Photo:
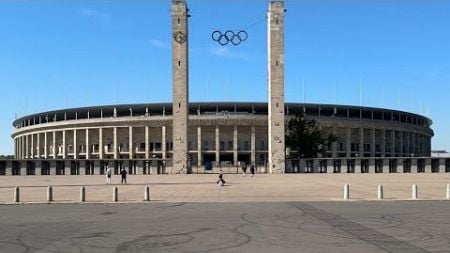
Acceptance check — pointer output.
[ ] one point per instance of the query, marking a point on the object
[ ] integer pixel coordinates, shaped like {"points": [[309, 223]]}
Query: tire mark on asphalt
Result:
{"points": [[371, 236]]}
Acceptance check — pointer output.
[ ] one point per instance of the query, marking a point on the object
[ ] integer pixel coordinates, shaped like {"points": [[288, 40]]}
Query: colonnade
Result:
{"points": [[95, 143]]}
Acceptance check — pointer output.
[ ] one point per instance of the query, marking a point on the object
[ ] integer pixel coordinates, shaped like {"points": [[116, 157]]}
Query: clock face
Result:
{"points": [[179, 37]]}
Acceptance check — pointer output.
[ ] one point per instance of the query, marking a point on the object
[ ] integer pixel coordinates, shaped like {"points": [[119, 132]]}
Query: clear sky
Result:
{"points": [[60, 54]]}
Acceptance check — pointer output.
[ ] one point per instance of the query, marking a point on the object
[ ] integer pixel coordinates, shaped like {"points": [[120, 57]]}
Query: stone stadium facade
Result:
{"points": [[224, 135]]}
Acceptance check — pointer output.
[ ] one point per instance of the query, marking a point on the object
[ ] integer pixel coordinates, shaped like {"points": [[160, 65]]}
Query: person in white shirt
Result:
{"points": [[108, 174]]}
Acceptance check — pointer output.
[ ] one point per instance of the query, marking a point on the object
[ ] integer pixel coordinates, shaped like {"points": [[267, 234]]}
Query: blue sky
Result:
{"points": [[59, 54]]}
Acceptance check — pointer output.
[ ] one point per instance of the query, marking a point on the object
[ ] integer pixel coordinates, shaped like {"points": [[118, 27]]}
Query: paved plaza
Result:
{"points": [[363, 226], [203, 188]]}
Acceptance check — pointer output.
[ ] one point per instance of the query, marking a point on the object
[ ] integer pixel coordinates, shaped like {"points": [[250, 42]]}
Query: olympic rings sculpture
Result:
{"points": [[229, 36]]}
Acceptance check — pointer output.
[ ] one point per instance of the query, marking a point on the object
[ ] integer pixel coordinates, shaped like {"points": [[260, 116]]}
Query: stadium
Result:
{"points": [[223, 134]]}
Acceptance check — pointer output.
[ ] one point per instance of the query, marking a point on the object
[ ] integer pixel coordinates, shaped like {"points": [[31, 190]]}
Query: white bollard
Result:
{"points": [[49, 193], [82, 194], [346, 192], [380, 192], [115, 194], [16, 195], [147, 193], [414, 192], [447, 195]]}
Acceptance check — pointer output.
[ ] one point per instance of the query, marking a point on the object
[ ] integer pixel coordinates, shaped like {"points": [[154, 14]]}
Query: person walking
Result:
{"points": [[221, 181], [252, 170], [108, 174], [123, 172], [244, 169]]}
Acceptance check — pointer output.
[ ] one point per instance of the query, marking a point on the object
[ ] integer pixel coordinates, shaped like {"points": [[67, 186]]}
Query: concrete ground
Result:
{"points": [[203, 188], [362, 226]]}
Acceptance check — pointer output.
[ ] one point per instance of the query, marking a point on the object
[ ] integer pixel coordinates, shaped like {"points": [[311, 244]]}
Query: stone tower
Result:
{"points": [[180, 109], [275, 50]]}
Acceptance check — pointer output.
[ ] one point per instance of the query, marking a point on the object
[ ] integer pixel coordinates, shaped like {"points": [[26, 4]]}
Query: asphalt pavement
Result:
{"points": [[362, 226]]}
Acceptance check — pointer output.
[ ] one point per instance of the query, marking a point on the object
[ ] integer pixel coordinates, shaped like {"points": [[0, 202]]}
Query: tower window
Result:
{"points": [[179, 63]]}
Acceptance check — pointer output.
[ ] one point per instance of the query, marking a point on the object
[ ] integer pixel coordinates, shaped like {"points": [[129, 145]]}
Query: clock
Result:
{"points": [[179, 37]]}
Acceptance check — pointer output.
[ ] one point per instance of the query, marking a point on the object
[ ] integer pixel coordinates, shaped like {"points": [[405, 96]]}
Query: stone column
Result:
{"points": [[75, 144], [26, 146], [180, 107], [235, 146], [130, 142], [199, 146], [38, 150], [217, 140], [164, 143], [348, 137], [23, 147], [383, 142], [334, 144], [17, 147], [408, 143], [32, 146], [115, 153], [361, 142], [147, 144], [64, 144], [276, 87], [393, 143], [420, 145], [401, 144], [253, 145], [54, 145], [88, 145], [101, 149], [45, 146], [372, 143], [414, 144]]}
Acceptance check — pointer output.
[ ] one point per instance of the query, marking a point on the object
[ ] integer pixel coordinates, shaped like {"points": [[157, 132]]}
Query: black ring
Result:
{"points": [[243, 38], [223, 40], [216, 35], [229, 34], [235, 40]]}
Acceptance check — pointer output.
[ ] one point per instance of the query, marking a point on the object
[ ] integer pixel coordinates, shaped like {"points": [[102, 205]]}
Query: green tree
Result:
{"points": [[304, 138]]}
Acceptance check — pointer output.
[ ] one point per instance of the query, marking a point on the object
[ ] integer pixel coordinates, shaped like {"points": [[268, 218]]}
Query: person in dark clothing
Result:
{"points": [[221, 181], [252, 170], [123, 172], [244, 169]]}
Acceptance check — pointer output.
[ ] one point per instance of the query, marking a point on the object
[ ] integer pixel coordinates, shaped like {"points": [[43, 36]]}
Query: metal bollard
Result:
{"points": [[16, 195], [82, 194], [414, 192], [380, 192], [115, 194], [346, 192], [147, 193], [49, 193], [447, 195]]}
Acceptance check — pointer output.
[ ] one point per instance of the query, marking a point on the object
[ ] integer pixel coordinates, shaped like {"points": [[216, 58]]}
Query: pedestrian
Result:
{"points": [[221, 181], [252, 170], [244, 169], [108, 174], [123, 172]]}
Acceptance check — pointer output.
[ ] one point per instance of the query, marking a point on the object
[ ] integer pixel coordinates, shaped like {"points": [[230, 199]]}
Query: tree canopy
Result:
{"points": [[304, 137]]}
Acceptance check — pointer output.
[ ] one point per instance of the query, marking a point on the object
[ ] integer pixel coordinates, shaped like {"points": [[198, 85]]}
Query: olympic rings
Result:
{"points": [[229, 37]]}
